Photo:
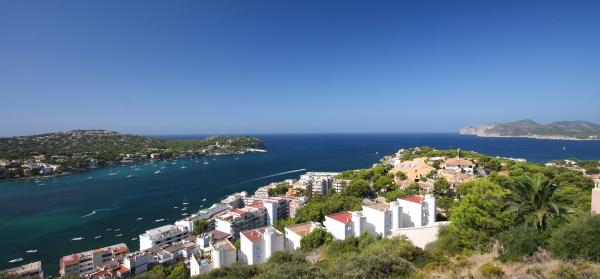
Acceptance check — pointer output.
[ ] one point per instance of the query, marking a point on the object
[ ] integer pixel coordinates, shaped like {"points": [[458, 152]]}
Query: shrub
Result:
{"points": [[491, 271], [565, 271], [519, 242], [315, 239], [579, 239]]}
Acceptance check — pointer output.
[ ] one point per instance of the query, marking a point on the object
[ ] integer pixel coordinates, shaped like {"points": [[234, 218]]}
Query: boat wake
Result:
{"points": [[271, 175], [96, 211]]}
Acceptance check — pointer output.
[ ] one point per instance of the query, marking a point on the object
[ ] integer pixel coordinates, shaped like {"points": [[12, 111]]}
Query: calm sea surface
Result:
{"points": [[46, 215]]}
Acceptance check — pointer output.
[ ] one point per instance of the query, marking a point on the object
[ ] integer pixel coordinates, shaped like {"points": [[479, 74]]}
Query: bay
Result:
{"points": [[46, 215]]}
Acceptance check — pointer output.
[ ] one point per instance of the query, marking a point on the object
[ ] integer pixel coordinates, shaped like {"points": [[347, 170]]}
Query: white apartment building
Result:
{"points": [[237, 220], [345, 224], [417, 211], [339, 184], [84, 263], [320, 183], [138, 262], [295, 233], [258, 245], [164, 235], [216, 255], [382, 218]]}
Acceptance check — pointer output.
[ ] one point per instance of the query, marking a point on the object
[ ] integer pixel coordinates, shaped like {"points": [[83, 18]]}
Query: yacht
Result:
{"points": [[119, 235], [184, 214], [77, 238], [129, 175], [204, 199], [134, 238], [16, 260], [139, 218], [183, 209], [157, 172], [97, 237], [116, 230], [31, 251], [159, 220]]}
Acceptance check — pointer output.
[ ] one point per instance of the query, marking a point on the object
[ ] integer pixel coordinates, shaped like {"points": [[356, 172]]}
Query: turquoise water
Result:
{"points": [[46, 217]]}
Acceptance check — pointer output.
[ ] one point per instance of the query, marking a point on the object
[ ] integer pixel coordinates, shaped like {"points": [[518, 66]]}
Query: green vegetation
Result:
{"points": [[177, 271], [200, 227], [580, 239], [491, 271], [280, 189], [532, 200], [315, 239]]}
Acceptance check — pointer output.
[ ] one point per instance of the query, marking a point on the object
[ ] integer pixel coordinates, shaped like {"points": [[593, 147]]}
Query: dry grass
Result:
{"points": [[469, 267]]}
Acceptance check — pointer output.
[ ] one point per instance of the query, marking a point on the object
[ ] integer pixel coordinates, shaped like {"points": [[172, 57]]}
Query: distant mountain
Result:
{"points": [[567, 130]]}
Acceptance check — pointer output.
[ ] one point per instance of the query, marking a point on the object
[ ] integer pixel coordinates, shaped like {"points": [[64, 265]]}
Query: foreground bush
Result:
{"points": [[519, 243], [491, 271], [579, 239]]}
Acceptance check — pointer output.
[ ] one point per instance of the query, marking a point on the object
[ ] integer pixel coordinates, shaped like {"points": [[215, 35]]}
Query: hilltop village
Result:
{"points": [[413, 200]]}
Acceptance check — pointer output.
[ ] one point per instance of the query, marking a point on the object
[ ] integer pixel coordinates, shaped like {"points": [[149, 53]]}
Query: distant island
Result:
{"points": [[562, 130], [62, 152]]}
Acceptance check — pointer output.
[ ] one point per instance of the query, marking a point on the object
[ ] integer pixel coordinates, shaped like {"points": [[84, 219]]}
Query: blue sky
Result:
{"points": [[197, 67]]}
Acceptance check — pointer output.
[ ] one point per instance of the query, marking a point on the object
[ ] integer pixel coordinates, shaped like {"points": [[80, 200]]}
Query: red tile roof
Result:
{"points": [[240, 212], [415, 199], [343, 217], [254, 235], [256, 205]]}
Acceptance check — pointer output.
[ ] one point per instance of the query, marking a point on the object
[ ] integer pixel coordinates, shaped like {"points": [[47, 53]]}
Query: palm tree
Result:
{"points": [[532, 199]]}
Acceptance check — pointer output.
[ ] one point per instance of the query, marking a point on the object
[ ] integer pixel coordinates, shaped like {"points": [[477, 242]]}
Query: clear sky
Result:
{"points": [[197, 67]]}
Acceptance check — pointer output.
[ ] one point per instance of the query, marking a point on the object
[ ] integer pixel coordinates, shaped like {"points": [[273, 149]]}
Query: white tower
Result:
{"points": [[271, 212], [430, 200], [217, 255], [357, 223], [396, 215], [268, 238], [596, 198]]}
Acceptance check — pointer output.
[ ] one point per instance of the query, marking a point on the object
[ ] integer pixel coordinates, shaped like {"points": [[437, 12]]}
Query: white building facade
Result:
{"points": [[258, 245]]}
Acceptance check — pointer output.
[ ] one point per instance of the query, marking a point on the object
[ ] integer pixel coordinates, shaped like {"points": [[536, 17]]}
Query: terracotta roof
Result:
{"points": [[381, 206], [216, 235], [343, 217], [239, 212], [415, 199], [254, 235], [458, 162], [301, 229], [256, 205], [123, 269]]}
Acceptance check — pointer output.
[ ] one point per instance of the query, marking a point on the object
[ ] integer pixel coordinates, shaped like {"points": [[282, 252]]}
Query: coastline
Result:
{"points": [[540, 137]]}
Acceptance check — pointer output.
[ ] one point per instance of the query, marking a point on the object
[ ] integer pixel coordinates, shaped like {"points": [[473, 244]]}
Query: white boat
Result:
{"points": [[184, 214], [112, 173], [175, 207], [77, 238], [139, 218], [157, 172], [134, 238], [204, 199], [97, 237], [206, 163], [129, 175], [183, 167], [109, 229], [159, 220], [31, 251], [16, 260], [185, 203], [89, 177], [41, 184], [116, 230], [119, 235], [185, 208]]}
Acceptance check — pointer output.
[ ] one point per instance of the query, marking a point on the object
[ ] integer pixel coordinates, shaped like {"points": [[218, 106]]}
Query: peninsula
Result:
{"points": [[562, 130], [62, 152]]}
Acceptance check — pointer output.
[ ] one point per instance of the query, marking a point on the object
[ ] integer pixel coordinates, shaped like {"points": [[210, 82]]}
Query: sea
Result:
{"points": [[120, 202]]}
